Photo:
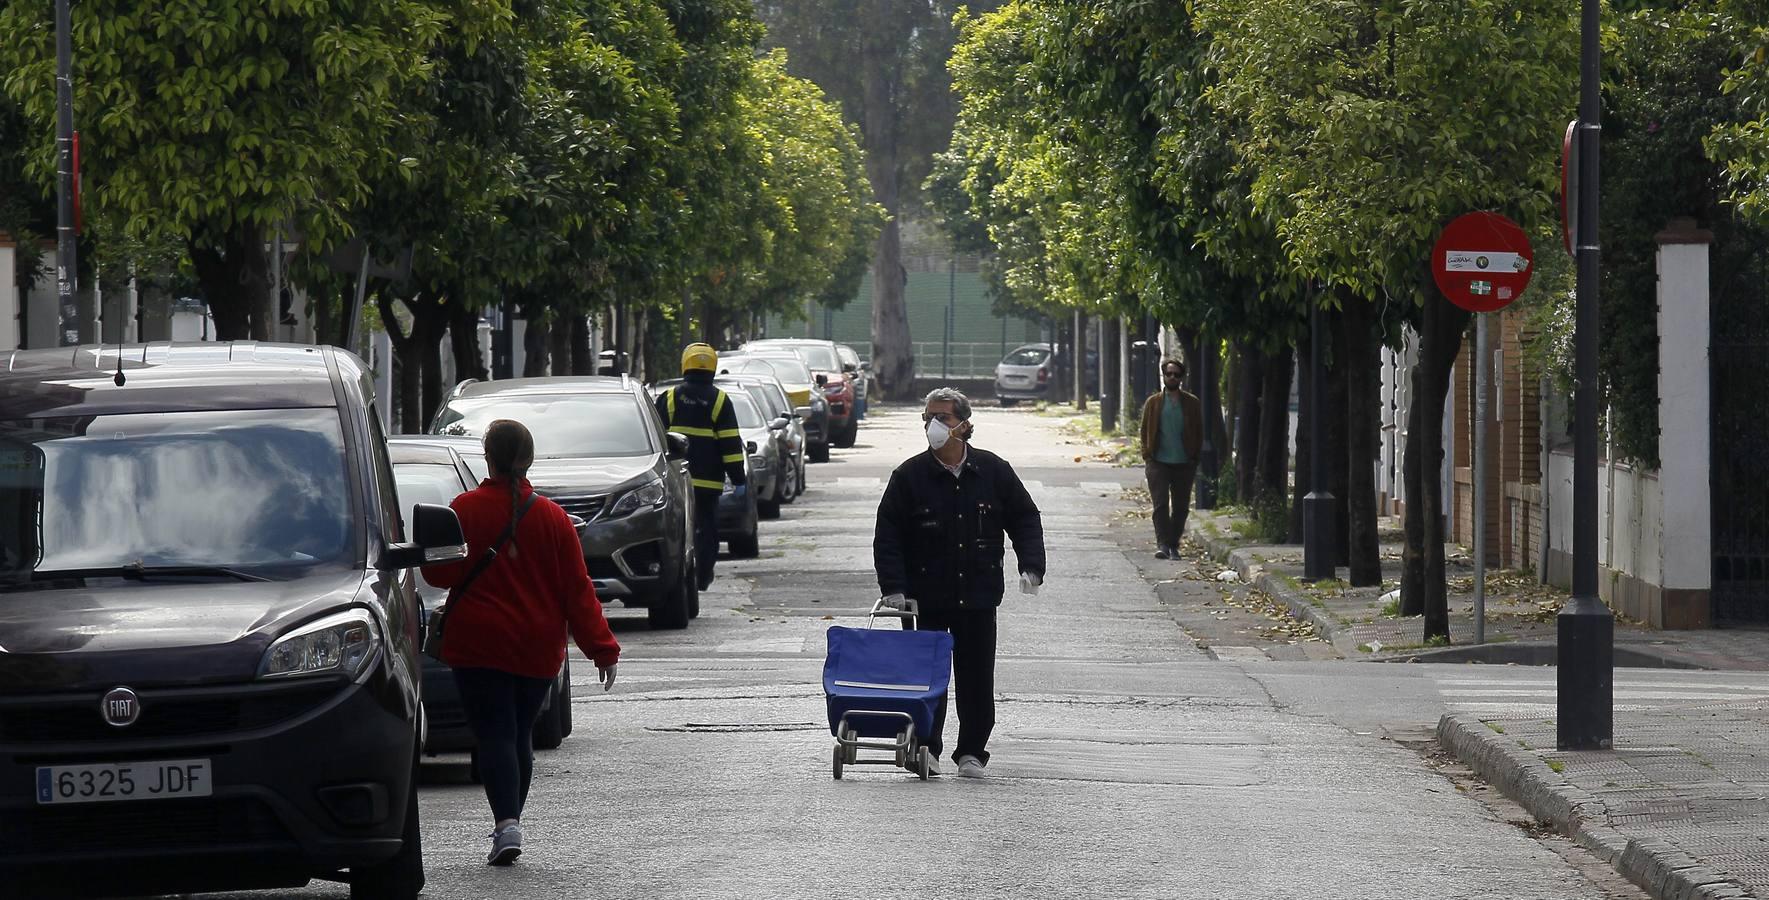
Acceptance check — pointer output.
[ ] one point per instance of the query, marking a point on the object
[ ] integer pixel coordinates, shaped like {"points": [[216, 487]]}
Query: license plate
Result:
{"points": [[123, 781]]}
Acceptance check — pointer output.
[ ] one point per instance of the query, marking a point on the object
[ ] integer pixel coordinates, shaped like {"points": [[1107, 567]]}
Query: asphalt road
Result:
{"points": [[1129, 761]]}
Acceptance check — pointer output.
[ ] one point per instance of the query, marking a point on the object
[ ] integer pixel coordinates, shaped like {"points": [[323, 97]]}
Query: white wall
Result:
{"points": [[9, 298], [1684, 444], [1630, 516]]}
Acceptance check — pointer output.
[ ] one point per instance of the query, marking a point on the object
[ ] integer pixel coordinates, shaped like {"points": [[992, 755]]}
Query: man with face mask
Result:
{"points": [[939, 541]]}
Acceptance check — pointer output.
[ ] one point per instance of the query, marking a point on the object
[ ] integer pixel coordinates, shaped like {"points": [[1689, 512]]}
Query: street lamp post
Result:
{"points": [[1585, 701], [66, 241], [1318, 543]]}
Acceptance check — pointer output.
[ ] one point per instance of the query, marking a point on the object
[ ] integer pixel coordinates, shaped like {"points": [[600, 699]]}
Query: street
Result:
{"points": [[1127, 762]]}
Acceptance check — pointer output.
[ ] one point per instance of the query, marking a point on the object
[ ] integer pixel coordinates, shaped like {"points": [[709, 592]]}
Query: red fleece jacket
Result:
{"points": [[515, 614]]}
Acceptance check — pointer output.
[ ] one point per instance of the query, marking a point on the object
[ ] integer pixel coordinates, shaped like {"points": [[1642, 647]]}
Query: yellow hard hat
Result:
{"points": [[700, 357]]}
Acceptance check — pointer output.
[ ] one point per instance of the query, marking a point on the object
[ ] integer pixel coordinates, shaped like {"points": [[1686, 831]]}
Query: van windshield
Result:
{"points": [[263, 491]]}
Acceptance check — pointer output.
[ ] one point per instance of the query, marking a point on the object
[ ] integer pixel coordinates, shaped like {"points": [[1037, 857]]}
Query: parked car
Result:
{"points": [[823, 358], [210, 635], [800, 387], [767, 470], [602, 453], [430, 470], [787, 422], [1024, 373], [861, 373]]}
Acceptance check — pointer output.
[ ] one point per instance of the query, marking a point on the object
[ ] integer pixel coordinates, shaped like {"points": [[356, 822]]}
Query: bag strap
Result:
{"points": [[491, 553]]}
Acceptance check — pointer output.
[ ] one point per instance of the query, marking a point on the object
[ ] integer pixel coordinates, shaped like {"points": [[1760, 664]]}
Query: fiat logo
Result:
{"points": [[120, 707]]}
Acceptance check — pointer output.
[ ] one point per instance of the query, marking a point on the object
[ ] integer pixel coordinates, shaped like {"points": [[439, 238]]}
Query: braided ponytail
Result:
{"points": [[509, 452]]}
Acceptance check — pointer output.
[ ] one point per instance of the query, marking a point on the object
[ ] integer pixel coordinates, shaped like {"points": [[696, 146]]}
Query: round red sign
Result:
{"points": [[1482, 261]]}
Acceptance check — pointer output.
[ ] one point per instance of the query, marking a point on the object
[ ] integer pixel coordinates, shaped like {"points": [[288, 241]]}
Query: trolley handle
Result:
{"points": [[910, 611]]}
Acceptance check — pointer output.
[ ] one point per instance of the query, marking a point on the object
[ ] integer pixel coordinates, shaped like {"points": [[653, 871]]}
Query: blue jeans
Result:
{"points": [[501, 709]]}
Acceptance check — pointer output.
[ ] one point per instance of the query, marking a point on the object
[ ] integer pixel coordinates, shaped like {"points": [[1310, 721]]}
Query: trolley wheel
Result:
{"points": [[838, 761], [925, 763]]}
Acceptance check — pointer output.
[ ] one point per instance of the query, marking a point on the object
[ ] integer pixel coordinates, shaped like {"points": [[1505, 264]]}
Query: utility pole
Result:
{"points": [[1585, 674], [66, 241]]}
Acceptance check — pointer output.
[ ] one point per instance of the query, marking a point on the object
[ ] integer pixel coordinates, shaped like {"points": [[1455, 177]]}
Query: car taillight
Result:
{"points": [[1043, 375]]}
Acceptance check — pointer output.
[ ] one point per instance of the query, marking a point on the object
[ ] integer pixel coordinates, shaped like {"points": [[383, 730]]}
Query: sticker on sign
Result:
{"points": [[1484, 261]]}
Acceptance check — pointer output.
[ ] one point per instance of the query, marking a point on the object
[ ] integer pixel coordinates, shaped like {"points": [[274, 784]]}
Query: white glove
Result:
{"points": [[894, 601], [1029, 583], [606, 676]]}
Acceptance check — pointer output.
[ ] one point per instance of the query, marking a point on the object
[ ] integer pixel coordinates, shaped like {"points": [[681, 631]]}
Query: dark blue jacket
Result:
{"points": [[940, 538]]}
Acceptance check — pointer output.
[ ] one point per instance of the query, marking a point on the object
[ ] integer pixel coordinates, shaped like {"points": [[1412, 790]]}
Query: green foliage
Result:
{"points": [[1371, 125]]}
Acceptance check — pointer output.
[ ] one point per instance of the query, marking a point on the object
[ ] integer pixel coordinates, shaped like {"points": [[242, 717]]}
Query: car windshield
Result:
{"points": [[764, 399], [1026, 356], [426, 483], [817, 356], [790, 370], [262, 490], [563, 425], [748, 416], [848, 355]]}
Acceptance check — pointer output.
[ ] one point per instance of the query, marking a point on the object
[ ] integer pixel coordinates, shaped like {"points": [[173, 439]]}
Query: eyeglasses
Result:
{"points": [[948, 418], [1173, 375]]}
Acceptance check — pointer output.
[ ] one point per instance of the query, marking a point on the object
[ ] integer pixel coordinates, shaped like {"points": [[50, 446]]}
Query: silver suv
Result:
{"points": [[602, 454]]}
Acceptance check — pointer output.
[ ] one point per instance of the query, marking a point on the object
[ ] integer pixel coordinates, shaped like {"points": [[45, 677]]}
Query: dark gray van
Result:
{"points": [[209, 636]]}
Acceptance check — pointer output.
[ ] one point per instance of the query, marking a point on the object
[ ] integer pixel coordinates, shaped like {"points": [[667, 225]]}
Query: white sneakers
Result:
{"points": [[970, 767]]}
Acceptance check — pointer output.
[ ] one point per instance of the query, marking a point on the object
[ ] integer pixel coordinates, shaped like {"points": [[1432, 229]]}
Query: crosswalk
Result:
{"points": [[1527, 694]]}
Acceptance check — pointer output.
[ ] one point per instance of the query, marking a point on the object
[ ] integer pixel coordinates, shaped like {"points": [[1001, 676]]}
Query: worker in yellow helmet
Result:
{"points": [[703, 414]]}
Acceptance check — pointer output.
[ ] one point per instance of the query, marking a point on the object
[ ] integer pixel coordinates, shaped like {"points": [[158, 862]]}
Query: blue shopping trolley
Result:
{"points": [[883, 688]]}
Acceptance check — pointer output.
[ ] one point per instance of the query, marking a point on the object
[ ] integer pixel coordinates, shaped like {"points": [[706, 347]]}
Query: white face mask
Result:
{"points": [[937, 434]]}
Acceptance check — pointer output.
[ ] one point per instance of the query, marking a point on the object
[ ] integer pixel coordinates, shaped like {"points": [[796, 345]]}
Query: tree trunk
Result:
{"points": [[535, 341], [463, 330], [406, 372], [1339, 464], [1250, 388], [1363, 400], [893, 358], [235, 278], [1305, 413], [427, 328], [1274, 425], [559, 343], [1440, 342], [581, 363], [1412, 555]]}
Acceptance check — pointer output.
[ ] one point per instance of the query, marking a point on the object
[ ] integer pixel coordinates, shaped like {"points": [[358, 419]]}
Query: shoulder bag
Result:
{"points": [[438, 620]]}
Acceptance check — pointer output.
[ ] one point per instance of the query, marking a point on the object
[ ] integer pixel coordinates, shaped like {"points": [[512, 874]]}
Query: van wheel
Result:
{"points": [[769, 509], [848, 436], [820, 452], [692, 586], [402, 877], [549, 729], [672, 608], [1009, 401], [747, 546]]}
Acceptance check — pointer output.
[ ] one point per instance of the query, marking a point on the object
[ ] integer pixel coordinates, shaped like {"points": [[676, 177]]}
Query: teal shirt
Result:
{"points": [[1171, 448]]}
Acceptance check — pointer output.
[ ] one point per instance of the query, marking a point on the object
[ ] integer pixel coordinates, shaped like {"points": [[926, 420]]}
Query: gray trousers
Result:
{"points": [[1170, 486]]}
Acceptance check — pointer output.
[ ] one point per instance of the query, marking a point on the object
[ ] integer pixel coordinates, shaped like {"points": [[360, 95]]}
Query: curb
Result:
{"points": [[1664, 871], [1253, 572]]}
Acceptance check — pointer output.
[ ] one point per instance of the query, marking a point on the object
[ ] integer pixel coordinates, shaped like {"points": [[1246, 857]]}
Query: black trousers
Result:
{"points": [[501, 709], [973, 679], [1170, 486], [706, 533]]}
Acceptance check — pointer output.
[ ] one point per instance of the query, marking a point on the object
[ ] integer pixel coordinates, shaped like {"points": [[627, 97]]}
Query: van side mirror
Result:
{"points": [[676, 446], [749, 447], [822, 379], [436, 539]]}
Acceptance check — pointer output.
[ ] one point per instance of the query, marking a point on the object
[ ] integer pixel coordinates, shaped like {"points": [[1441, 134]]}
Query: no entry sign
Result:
{"points": [[1482, 261]]}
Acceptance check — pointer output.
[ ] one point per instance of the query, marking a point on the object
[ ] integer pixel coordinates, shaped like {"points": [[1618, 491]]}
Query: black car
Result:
{"points": [[436, 470], [209, 629]]}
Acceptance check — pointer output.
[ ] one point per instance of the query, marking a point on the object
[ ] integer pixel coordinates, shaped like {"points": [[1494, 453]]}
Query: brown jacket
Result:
{"points": [[1194, 426]]}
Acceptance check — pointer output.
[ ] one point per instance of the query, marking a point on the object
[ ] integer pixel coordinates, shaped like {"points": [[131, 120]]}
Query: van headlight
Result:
{"points": [[341, 644], [649, 495]]}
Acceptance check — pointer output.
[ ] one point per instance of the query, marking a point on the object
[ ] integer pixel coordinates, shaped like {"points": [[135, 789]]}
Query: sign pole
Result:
{"points": [[1481, 357]]}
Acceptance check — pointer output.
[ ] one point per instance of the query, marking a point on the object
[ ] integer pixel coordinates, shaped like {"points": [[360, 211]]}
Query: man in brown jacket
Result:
{"points": [[1172, 433]]}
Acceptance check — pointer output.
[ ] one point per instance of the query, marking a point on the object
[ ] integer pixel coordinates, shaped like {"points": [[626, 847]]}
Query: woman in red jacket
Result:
{"points": [[506, 635]]}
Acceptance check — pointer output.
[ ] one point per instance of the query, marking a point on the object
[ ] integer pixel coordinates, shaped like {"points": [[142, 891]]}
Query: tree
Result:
{"points": [[885, 62], [1372, 125], [217, 124]]}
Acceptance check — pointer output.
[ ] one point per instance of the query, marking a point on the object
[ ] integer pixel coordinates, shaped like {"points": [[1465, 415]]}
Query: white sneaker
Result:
{"points": [[970, 767]]}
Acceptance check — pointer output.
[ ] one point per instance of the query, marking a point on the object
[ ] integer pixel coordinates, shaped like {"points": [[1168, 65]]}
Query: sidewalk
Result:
{"points": [[1520, 614], [1680, 805]]}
